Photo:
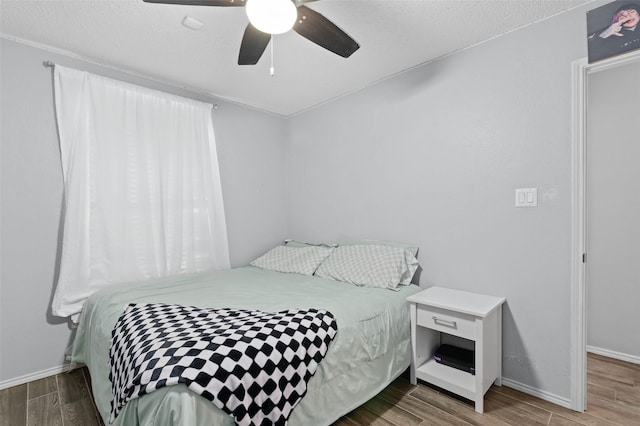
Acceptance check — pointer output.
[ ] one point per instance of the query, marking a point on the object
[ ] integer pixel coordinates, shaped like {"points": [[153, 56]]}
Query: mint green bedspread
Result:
{"points": [[371, 348]]}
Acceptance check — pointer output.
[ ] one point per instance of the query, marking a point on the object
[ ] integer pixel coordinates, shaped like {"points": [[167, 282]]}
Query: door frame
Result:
{"points": [[580, 70]]}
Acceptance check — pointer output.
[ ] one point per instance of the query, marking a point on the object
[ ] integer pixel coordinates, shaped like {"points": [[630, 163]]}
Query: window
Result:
{"points": [[143, 197]]}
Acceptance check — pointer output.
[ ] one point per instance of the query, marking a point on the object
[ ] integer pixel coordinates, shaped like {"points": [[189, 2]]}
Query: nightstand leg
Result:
{"points": [[412, 370], [498, 380], [480, 405]]}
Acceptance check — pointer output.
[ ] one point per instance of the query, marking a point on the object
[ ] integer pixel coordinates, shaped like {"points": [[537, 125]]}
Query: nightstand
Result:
{"points": [[474, 317]]}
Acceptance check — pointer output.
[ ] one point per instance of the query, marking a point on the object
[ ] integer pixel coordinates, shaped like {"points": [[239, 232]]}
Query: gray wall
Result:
{"points": [[251, 154], [433, 157], [613, 209]]}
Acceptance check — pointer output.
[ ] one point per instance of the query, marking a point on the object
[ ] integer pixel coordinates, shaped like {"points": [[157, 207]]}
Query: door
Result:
{"points": [[613, 212]]}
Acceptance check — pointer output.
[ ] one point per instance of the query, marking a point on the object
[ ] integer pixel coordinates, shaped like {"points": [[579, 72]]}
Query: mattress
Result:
{"points": [[371, 348]]}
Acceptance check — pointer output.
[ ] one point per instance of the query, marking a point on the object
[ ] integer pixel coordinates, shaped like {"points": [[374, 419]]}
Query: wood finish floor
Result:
{"points": [[613, 399]]}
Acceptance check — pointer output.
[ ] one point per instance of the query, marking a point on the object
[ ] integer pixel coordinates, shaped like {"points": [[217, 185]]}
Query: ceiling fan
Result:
{"points": [[308, 23]]}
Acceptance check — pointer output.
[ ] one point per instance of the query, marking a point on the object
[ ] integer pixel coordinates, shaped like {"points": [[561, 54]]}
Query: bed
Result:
{"points": [[370, 350]]}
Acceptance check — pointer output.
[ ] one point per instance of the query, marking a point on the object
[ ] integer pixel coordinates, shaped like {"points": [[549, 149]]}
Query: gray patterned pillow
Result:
{"points": [[297, 260], [370, 265], [413, 249]]}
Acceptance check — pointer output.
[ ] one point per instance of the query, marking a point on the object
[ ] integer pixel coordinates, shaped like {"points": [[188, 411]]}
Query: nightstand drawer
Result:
{"points": [[447, 321]]}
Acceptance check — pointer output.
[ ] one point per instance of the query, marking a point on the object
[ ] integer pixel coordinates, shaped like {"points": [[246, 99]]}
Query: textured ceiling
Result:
{"points": [[148, 39]]}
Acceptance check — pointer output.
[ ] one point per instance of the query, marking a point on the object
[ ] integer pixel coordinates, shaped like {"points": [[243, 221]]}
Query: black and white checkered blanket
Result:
{"points": [[253, 365]]}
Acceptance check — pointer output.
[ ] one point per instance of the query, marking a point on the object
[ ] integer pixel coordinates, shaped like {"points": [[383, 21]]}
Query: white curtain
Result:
{"points": [[142, 186]]}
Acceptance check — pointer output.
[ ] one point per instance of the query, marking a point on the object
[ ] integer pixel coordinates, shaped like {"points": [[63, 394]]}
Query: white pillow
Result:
{"points": [[370, 265], [297, 260]]}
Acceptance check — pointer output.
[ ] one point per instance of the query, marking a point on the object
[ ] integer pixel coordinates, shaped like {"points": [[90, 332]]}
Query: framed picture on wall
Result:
{"points": [[613, 29]]}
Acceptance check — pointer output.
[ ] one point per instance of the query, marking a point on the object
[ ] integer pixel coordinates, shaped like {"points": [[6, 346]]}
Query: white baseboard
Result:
{"points": [[5, 384], [547, 396], [613, 354]]}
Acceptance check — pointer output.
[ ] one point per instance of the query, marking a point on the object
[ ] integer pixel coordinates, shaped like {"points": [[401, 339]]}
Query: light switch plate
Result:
{"points": [[527, 197]]}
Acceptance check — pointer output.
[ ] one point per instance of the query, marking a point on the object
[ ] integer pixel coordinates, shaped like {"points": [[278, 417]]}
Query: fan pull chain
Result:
{"points": [[272, 70]]}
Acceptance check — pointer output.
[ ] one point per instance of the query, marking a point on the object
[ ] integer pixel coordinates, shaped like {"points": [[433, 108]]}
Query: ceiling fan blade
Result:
{"points": [[227, 3], [254, 42], [318, 29]]}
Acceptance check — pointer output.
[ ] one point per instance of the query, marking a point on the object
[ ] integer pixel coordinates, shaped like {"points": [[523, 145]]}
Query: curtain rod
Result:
{"points": [[49, 64]]}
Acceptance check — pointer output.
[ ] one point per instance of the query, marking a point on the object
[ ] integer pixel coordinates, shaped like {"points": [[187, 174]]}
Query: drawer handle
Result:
{"points": [[444, 322]]}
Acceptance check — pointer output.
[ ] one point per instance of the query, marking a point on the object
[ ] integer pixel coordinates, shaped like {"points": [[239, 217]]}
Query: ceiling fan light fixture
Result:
{"points": [[272, 16]]}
